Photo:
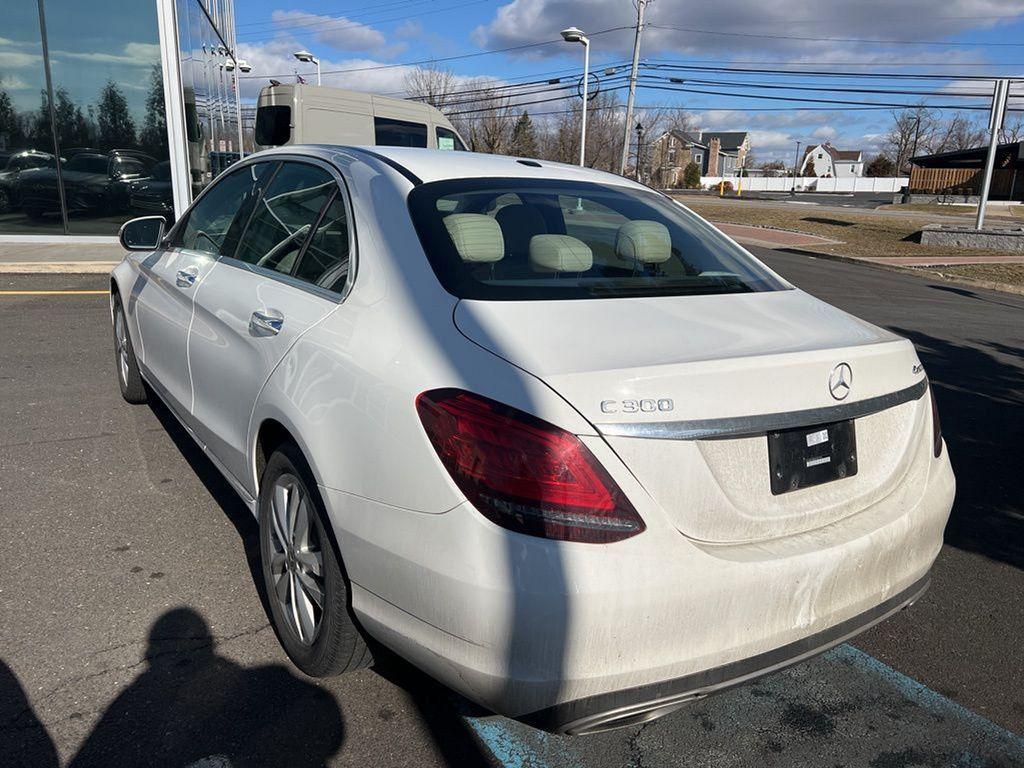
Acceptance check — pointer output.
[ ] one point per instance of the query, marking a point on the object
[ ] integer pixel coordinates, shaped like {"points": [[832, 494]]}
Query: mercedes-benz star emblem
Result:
{"points": [[840, 381]]}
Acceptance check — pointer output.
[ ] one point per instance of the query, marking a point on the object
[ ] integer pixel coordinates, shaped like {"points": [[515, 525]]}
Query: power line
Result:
{"points": [[825, 89], [833, 39], [824, 73]]}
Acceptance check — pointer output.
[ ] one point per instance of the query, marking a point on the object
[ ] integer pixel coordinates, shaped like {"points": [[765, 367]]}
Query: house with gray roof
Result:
{"points": [[716, 153]]}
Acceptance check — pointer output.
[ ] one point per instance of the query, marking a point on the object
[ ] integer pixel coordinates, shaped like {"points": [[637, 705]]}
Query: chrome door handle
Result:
{"points": [[266, 322], [186, 277]]}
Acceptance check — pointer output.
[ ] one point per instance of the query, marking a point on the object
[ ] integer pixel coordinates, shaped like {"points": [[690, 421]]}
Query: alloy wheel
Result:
{"points": [[121, 344], [296, 561]]}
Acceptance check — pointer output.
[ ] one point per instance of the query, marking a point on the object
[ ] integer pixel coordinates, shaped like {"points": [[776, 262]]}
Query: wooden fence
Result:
{"points": [[965, 181]]}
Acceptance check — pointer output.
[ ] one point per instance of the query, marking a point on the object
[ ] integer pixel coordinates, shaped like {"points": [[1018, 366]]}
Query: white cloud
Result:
{"points": [[133, 55], [13, 83], [763, 27], [338, 32]]}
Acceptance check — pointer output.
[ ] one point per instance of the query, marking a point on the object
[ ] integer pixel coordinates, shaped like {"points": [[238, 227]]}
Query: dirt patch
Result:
{"points": [[1007, 274]]}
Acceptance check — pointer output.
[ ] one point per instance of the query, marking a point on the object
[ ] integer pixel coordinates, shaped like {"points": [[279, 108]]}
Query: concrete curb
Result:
{"points": [[57, 267]]}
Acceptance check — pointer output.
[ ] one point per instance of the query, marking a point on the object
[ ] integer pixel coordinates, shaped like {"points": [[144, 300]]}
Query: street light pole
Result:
{"points": [[575, 35], [995, 124], [632, 84], [309, 58], [796, 164], [236, 66]]}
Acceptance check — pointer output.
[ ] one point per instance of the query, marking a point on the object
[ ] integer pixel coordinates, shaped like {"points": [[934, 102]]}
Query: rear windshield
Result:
{"points": [[273, 125], [523, 239]]}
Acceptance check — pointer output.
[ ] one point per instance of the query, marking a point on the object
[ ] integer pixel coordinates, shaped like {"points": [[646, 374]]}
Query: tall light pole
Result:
{"points": [[309, 58], [574, 35], [242, 66], [632, 84], [796, 164], [995, 124]]}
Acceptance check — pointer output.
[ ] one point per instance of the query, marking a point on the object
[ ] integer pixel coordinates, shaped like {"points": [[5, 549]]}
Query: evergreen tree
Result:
{"points": [[72, 130], [524, 138], [881, 166], [153, 136], [117, 129], [12, 136], [691, 176]]}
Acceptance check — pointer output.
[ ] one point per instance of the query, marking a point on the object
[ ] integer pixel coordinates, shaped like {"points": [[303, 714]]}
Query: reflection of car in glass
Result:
{"points": [[94, 182], [153, 195], [11, 168], [537, 428]]}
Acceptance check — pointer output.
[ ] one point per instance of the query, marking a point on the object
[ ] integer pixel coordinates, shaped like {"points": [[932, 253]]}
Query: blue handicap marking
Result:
{"points": [[842, 708]]}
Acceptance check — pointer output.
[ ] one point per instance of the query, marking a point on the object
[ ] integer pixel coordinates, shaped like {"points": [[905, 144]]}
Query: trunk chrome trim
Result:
{"points": [[754, 426]]}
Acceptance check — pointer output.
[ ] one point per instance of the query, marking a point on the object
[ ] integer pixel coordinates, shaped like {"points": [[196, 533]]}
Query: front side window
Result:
{"points": [[284, 217], [399, 133], [448, 139], [526, 239], [208, 225]]}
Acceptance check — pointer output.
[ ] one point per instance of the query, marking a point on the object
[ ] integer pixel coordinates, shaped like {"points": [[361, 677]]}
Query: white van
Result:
{"points": [[299, 113]]}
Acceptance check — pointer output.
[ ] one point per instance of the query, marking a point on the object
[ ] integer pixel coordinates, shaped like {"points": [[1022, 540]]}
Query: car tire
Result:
{"points": [[321, 639], [133, 389]]}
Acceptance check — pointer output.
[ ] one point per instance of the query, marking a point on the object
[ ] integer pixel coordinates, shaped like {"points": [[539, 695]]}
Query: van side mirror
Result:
{"points": [[142, 234]]}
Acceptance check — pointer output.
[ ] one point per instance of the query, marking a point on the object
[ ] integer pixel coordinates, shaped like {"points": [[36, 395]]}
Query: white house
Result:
{"points": [[831, 162]]}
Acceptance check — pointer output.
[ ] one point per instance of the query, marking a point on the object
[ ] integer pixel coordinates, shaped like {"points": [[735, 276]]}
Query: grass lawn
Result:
{"points": [[1008, 274], [861, 234]]}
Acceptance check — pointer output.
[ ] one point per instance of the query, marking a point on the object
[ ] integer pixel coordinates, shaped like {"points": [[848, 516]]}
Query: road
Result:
{"points": [[132, 631]]}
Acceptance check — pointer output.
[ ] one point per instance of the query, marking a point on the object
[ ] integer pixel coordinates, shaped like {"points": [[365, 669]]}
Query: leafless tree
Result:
{"points": [[911, 130], [434, 85], [955, 133], [1013, 129]]}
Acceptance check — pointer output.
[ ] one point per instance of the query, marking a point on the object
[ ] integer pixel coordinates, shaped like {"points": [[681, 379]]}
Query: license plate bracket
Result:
{"points": [[807, 456]]}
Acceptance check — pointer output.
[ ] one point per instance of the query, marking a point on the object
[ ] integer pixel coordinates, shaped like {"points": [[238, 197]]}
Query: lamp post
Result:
{"points": [[639, 150], [242, 66], [574, 35], [796, 165], [309, 58]]}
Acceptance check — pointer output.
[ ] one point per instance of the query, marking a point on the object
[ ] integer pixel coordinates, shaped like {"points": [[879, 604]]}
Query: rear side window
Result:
{"points": [[448, 139], [273, 125], [326, 260], [285, 216], [399, 133]]}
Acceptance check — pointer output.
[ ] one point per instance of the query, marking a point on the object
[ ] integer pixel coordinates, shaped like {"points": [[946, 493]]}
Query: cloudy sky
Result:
{"points": [[360, 47]]}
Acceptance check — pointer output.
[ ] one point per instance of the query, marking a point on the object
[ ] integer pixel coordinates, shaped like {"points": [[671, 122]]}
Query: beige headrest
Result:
{"points": [[477, 237], [560, 253], [645, 241]]}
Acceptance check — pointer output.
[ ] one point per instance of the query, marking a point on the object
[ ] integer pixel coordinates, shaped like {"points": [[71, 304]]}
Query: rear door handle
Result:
{"points": [[266, 322], [186, 277]]}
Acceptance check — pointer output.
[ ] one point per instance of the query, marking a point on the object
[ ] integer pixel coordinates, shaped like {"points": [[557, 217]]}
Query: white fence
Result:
{"points": [[813, 183]]}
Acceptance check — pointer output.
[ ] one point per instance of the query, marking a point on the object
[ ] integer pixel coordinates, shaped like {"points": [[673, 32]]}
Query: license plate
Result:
{"points": [[807, 456]]}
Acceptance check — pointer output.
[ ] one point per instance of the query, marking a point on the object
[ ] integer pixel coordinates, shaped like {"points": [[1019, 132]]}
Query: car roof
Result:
{"points": [[427, 165]]}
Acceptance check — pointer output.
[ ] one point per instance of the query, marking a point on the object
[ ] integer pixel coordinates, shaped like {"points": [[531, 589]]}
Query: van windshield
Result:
{"points": [[527, 239]]}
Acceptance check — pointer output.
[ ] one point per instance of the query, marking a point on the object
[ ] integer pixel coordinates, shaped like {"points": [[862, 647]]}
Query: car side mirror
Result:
{"points": [[142, 234]]}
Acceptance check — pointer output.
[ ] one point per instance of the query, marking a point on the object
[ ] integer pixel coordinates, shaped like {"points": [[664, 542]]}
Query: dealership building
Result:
{"points": [[110, 110]]}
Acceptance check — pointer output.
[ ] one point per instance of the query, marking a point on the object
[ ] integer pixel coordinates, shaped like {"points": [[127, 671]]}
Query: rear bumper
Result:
{"points": [[646, 702], [576, 637]]}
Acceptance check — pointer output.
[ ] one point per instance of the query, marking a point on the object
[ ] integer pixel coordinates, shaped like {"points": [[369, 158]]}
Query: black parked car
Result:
{"points": [[12, 164], [94, 182], [154, 195]]}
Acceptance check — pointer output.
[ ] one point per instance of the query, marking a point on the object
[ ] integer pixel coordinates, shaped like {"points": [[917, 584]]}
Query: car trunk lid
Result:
{"points": [[685, 388]]}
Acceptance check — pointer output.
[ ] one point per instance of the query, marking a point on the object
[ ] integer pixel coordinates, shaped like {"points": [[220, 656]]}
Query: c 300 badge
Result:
{"points": [[645, 405]]}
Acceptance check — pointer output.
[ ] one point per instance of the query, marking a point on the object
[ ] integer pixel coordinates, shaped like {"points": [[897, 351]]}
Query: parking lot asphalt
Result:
{"points": [[132, 631]]}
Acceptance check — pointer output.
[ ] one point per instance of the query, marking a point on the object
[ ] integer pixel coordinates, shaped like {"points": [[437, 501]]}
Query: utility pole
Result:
{"points": [[995, 124], [640, 5]]}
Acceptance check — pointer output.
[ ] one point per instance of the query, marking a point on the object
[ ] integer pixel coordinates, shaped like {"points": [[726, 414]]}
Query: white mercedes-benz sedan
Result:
{"points": [[538, 429]]}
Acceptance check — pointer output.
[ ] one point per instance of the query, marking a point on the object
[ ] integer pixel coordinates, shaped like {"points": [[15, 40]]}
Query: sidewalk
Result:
{"points": [[59, 258]]}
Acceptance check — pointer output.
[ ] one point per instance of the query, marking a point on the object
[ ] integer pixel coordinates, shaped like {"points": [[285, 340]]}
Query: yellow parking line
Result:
{"points": [[54, 293]]}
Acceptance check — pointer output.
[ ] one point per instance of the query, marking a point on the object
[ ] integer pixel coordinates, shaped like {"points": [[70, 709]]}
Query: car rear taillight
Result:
{"points": [[523, 473], [936, 426]]}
